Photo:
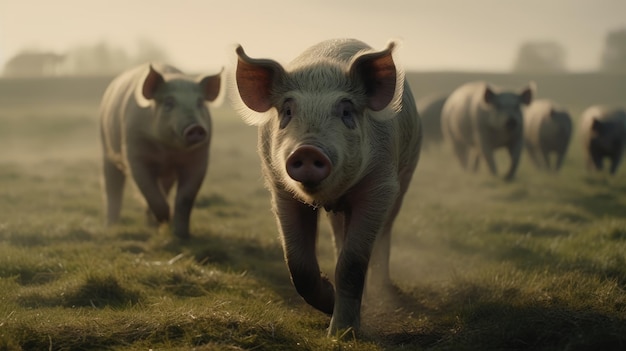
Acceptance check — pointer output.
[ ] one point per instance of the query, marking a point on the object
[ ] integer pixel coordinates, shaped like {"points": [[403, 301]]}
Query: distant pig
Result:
{"points": [[429, 108], [156, 128], [338, 129], [547, 130], [477, 119], [603, 133]]}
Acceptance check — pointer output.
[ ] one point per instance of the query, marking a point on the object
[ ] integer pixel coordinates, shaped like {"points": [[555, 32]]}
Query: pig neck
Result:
{"points": [[369, 183]]}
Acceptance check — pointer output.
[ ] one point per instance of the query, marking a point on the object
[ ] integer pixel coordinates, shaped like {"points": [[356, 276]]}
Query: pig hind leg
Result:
{"points": [[379, 277], [533, 153], [166, 184], [546, 159], [113, 181], [616, 158], [596, 161], [461, 152]]}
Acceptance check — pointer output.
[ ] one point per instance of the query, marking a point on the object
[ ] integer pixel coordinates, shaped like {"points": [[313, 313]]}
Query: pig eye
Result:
{"points": [[286, 113], [346, 112], [169, 103]]}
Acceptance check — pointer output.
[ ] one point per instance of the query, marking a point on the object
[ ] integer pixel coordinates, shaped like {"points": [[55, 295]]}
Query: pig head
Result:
{"points": [[338, 129]]}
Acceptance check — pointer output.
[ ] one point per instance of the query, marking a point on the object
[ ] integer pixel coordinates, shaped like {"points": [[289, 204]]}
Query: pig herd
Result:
{"points": [[338, 130], [478, 118]]}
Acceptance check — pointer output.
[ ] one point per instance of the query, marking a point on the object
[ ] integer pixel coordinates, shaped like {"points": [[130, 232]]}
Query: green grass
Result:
{"points": [[480, 264]]}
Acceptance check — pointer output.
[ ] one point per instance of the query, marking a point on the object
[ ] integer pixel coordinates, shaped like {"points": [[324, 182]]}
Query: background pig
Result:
{"points": [[477, 119], [338, 129], [155, 127], [547, 130], [603, 132], [429, 108]]}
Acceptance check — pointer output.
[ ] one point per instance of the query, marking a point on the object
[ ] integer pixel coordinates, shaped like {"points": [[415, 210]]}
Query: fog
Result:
{"points": [[197, 35]]}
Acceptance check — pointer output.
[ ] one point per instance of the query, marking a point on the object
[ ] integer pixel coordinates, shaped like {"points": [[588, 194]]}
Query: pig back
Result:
{"points": [[533, 117], [462, 112]]}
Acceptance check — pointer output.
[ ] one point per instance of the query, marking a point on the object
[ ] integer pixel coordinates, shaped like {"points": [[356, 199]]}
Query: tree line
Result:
{"points": [[102, 58], [548, 56]]}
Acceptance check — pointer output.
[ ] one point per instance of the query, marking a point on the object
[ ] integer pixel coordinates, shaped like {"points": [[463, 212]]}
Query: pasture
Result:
{"points": [[480, 264]]}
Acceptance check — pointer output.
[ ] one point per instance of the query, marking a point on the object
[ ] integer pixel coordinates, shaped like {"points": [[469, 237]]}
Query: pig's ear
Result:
{"points": [[151, 83], [382, 80], [597, 125], [211, 86], [553, 113], [526, 96], [255, 81], [489, 96]]}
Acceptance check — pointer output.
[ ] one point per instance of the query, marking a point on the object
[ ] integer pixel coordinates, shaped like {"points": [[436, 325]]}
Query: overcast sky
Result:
{"points": [[200, 35]]}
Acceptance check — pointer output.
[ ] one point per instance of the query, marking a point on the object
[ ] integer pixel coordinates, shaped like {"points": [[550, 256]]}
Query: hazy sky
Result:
{"points": [[200, 35]]}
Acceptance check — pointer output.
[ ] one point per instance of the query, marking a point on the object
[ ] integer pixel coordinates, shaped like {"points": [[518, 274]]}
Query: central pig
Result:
{"points": [[338, 129]]}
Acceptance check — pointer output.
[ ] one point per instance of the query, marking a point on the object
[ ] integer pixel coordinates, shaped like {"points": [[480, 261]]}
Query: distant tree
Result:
{"points": [[103, 58], [34, 64], [540, 57], [97, 59], [613, 58], [100, 58]]}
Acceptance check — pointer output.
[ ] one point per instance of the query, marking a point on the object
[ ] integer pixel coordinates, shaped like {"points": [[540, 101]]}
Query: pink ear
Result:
{"points": [[377, 71], [256, 79], [210, 86], [489, 95], [526, 97], [151, 83]]}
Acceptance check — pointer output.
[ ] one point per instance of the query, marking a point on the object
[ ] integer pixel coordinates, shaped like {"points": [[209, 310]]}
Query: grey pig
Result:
{"points": [[547, 130], [156, 128], [477, 119], [338, 129]]}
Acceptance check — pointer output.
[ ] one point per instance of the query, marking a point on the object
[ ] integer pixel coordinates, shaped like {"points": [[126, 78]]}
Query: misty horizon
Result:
{"points": [[436, 36]]}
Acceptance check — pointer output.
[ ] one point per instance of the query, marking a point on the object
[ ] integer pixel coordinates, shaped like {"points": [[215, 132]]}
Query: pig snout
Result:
{"points": [[511, 124], [308, 165], [194, 134]]}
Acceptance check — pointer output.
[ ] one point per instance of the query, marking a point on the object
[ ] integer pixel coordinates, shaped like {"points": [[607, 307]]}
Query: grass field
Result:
{"points": [[480, 264]]}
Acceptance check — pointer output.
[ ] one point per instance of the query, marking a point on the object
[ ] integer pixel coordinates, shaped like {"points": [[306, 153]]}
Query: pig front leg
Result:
{"points": [[616, 158], [369, 209], [113, 181], [298, 227], [147, 181], [515, 152], [190, 180], [487, 153]]}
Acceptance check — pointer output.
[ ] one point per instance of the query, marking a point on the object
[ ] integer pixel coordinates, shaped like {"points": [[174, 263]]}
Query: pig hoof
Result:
{"points": [[182, 235]]}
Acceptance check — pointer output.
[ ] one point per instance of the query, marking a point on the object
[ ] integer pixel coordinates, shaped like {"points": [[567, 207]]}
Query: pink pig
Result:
{"points": [[338, 129]]}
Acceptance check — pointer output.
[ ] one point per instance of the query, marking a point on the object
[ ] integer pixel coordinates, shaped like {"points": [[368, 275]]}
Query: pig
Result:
{"points": [[547, 129], [477, 119], [338, 130], [603, 135], [155, 127], [429, 108]]}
